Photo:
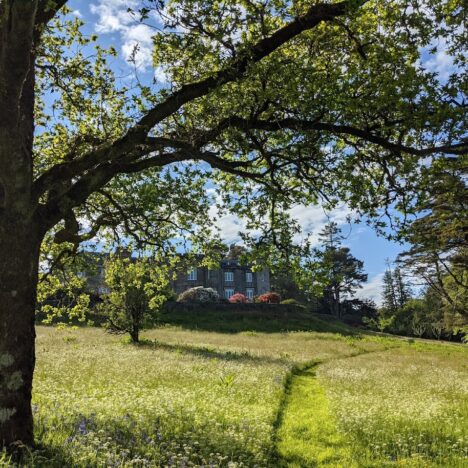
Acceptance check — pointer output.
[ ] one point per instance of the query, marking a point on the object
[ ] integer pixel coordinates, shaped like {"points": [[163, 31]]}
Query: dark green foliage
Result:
{"points": [[292, 302], [234, 318], [286, 285], [343, 272], [358, 312], [438, 255], [396, 290]]}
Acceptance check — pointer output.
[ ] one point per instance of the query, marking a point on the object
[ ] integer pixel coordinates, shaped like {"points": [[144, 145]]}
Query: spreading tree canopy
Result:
{"points": [[275, 102]]}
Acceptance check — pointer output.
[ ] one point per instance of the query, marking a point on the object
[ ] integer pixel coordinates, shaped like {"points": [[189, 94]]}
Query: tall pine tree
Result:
{"points": [[344, 272]]}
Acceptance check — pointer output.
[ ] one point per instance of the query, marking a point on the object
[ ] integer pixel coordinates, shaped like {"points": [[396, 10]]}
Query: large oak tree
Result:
{"points": [[280, 101]]}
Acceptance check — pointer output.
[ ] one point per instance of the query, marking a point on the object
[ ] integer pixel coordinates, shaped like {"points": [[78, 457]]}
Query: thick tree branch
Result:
{"points": [[233, 71], [236, 69], [366, 135], [46, 11]]}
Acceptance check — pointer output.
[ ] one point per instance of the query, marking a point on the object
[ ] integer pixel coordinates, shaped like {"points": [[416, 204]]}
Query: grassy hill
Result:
{"points": [[248, 391]]}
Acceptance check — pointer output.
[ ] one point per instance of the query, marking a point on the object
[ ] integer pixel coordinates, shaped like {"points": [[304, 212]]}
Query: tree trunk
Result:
{"points": [[135, 333], [19, 254], [337, 303], [135, 336], [20, 231]]}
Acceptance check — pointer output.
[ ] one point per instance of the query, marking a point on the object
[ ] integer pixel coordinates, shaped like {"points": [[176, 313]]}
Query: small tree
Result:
{"points": [[138, 288], [389, 297]]}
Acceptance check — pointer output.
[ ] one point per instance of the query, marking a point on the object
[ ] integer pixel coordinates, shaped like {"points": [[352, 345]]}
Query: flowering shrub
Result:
{"points": [[269, 298], [199, 294], [238, 298]]}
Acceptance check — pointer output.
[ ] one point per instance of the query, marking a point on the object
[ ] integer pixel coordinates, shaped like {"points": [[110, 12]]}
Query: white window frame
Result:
{"points": [[249, 277], [249, 293], [229, 277], [228, 293], [192, 275]]}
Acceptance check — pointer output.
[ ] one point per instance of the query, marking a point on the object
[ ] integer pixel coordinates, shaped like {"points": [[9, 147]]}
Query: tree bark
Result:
{"points": [[135, 335], [20, 230], [19, 254]]}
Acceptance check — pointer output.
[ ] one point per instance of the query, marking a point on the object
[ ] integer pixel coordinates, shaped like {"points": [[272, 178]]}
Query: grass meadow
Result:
{"points": [[188, 397]]}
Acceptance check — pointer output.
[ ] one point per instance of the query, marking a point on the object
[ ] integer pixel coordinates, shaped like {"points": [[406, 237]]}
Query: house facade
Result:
{"points": [[230, 278]]}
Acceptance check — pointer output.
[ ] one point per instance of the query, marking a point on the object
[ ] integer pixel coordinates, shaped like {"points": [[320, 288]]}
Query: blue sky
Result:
{"points": [[110, 20]]}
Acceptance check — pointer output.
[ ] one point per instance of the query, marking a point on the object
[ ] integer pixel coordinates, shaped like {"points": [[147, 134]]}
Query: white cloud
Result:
{"points": [[138, 45], [137, 42], [311, 220], [372, 289], [230, 225], [112, 15], [77, 13], [160, 75], [441, 62]]}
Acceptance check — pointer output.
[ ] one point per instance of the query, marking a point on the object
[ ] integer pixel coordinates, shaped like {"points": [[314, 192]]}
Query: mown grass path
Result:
{"points": [[306, 433]]}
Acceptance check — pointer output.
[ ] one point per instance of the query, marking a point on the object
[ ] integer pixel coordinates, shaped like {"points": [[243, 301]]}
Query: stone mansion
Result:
{"points": [[230, 278]]}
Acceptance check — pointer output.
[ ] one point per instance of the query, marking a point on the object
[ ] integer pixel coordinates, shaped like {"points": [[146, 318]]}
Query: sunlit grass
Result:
{"points": [[307, 434], [200, 398], [408, 406]]}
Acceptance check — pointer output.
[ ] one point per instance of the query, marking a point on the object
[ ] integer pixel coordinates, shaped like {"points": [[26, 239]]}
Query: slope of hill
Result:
{"points": [[313, 394]]}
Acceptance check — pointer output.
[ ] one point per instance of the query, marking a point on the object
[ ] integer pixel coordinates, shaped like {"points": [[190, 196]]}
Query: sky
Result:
{"points": [[115, 26]]}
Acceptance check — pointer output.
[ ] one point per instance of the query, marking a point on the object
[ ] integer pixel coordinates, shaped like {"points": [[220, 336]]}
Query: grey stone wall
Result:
{"points": [[216, 279]]}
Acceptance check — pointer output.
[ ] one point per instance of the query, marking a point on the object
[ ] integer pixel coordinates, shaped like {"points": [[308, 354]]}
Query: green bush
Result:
{"points": [[292, 302]]}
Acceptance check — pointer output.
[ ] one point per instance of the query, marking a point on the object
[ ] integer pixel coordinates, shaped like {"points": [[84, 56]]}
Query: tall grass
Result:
{"points": [[408, 406], [205, 398]]}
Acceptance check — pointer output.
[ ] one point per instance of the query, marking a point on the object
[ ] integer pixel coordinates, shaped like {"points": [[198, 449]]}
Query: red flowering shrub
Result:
{"points": [[269, 298], [238, 298]]}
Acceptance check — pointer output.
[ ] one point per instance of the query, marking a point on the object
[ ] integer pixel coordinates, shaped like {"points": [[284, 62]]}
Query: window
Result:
{"points": [[103, 290], [228, 293], [228, 276], [249, 293], [192, 275], [249, 277]]}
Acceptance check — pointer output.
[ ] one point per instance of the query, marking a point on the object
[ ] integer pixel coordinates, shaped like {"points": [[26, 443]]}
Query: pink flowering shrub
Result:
{"points": [[238, 298], [269, 298]]}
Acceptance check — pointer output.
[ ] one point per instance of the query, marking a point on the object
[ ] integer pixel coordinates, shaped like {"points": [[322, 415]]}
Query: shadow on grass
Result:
{"points": [[274, 321], [38, 456], [177, 439], [211, 353]]}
